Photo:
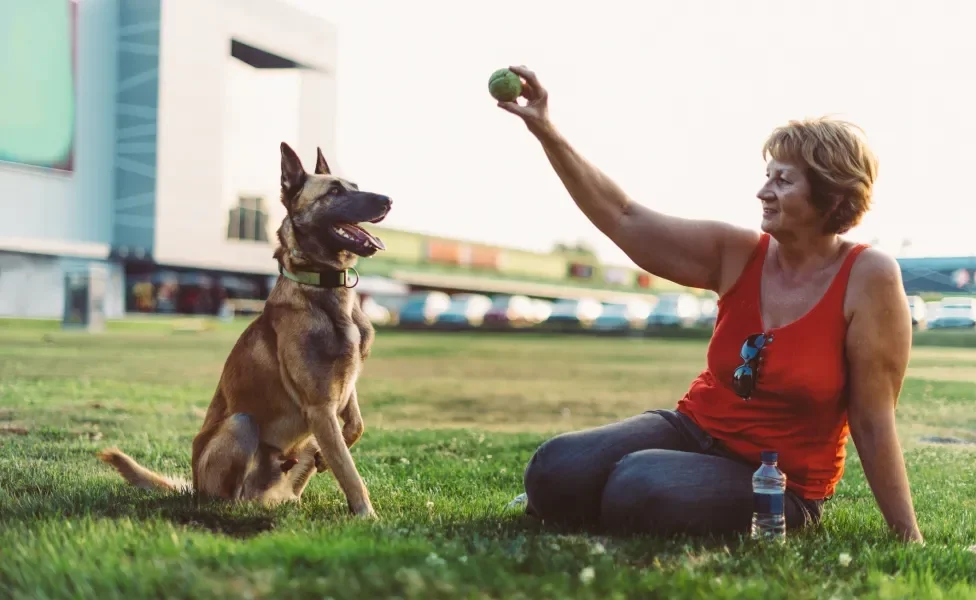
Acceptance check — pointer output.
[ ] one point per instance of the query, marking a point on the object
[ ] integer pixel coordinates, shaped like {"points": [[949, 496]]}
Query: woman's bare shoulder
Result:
{"points": [[875, 283], [873, 263]]}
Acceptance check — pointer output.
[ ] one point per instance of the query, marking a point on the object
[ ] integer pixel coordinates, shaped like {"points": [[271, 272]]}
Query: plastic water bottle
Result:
{"points": [[769, 500]]}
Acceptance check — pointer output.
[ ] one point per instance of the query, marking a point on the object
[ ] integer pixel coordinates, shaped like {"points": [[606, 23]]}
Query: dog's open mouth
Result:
{"points": [[359, 236]]}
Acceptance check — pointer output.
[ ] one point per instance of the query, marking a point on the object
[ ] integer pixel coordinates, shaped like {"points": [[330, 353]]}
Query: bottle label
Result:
{"points": [[774, 504]]}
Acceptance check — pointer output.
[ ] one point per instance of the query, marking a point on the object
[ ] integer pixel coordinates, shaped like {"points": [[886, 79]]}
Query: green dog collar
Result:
{"points": [[323, 279]]}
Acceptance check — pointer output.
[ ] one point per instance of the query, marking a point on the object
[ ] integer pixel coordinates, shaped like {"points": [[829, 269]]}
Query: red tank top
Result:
{"points": [[799, 406]]}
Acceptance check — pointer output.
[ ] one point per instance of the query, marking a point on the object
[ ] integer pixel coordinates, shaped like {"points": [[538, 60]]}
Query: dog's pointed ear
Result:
{"points": [[321, 167], [292, 174]]}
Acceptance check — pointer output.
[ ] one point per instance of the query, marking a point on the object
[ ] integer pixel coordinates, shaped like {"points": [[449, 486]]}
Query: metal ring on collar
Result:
{"points": [[346, 284]]}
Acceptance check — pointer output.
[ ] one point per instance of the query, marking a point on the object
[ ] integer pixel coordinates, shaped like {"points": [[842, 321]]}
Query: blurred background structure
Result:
{"points": [[139, 172], [133, 150]]}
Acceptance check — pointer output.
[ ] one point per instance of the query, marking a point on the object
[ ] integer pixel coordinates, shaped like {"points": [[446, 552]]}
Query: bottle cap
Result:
{"points": [[769, 456]]}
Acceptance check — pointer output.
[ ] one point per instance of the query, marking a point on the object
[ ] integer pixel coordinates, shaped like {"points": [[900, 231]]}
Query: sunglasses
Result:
{"points": [[745, 376]]}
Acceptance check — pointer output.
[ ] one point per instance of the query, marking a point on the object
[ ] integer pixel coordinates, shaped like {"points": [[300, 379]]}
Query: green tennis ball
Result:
{"points": [[504, 85]]}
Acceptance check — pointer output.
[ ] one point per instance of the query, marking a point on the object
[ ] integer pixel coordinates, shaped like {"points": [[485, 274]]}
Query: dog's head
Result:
{"points": [[324, 212]]}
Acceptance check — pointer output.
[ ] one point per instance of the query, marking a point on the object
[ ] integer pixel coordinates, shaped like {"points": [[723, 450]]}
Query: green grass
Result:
{"points": [[451, 421]]}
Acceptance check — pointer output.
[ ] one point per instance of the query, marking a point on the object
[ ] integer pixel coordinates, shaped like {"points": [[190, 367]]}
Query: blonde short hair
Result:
{"points": [[838, 162]]}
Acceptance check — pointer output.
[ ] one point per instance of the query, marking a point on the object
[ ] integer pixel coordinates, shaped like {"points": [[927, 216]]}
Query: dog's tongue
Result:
{"points": [[362, 235]]}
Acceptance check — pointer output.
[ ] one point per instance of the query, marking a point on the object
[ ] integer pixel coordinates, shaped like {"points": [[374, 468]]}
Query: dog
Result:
{"points": [[273, 421]]}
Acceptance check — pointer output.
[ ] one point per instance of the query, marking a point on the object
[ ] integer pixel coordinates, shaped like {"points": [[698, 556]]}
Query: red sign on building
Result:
{"points": [[443, 252]]}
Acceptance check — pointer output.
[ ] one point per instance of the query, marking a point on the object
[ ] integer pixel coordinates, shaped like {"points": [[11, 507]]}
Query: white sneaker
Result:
{"points": [[518, 501]]}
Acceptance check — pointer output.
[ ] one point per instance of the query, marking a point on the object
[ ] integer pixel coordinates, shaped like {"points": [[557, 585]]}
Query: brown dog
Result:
{"points": [[292, 374]]}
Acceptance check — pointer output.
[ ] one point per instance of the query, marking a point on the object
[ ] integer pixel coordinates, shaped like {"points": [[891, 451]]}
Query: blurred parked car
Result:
{"points": [[376, 312], [623, 315], [578, 312], [423, 308], [709, 312], [510, 311], [916, 305], [955, 313], [466, 310], [541, 309], [677, 309]]}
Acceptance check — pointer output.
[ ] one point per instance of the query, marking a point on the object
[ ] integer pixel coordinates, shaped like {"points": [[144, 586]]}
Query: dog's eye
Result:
{"points": [[334, 190]]}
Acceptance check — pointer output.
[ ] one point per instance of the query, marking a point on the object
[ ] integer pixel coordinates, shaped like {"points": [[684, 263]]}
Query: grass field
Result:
{"points": [[451, 421]]}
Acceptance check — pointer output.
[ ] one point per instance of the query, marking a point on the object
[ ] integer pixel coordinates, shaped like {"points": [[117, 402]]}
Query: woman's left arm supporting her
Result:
{"points": [[879, 342]]}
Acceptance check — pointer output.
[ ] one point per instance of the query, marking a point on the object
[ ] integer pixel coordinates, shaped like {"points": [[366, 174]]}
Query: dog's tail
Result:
{"points": [[140, 476]]}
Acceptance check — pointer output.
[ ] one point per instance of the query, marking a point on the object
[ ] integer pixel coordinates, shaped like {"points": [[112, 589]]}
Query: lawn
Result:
{"points": [[451, 420]]}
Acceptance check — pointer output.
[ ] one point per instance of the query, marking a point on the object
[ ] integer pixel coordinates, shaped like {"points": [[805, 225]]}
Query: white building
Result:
{"points": [[144, 141]]}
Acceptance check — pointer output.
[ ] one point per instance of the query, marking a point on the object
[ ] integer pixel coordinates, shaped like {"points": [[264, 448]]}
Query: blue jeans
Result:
{"points": [[656, 472]]}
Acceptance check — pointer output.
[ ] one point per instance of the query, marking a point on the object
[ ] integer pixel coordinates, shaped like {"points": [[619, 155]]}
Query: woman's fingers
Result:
{"points": [[527, 74], [531, 88], [514, 107]]}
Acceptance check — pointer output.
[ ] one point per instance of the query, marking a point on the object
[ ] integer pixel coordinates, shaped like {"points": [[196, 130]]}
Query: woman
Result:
{"points": [[811, 343]]}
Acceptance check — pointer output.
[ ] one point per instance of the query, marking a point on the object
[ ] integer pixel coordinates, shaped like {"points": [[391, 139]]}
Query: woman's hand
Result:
{"points": [[535, 112]]}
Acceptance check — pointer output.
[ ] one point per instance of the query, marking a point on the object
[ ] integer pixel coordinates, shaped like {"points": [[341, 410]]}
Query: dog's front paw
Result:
{"points": [[362, 511], [367, 515]]}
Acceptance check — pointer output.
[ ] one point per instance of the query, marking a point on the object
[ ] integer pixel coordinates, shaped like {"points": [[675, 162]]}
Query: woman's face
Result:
{"points": [[785, 196]]}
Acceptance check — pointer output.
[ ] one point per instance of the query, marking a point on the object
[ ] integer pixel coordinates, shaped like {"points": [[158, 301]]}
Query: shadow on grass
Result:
{"points": [[196, 513], [517, 529], [239, 520], [247, 520]]}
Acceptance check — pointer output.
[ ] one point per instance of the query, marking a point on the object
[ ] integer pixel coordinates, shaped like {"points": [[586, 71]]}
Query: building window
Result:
{"points": [[248, 220]]}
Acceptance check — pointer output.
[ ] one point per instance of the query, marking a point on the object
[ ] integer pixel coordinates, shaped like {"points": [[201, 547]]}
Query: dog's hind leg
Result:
{"points": [[352, 420], [224, 462], [300, 474]]}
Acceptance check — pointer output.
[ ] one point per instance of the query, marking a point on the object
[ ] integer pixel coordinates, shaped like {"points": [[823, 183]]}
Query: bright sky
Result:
{"points": [[672, 99]]}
